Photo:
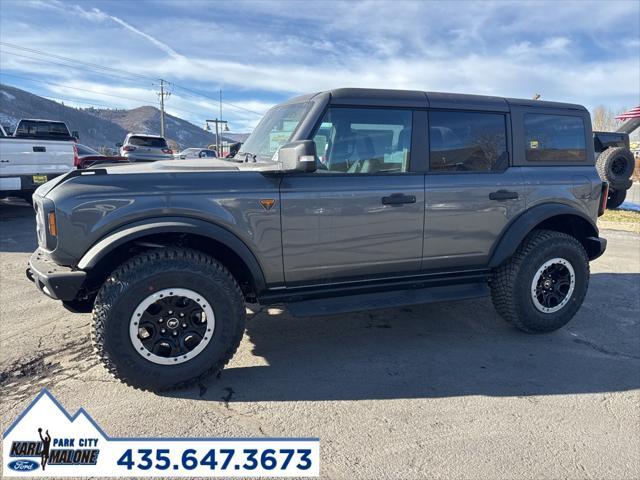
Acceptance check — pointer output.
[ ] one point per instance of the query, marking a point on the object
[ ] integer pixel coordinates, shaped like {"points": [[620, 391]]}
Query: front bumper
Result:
{"points": [[55, 281]]}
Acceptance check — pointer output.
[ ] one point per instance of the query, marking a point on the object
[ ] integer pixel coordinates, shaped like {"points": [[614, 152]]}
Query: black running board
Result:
{"points": [[390, 299]]}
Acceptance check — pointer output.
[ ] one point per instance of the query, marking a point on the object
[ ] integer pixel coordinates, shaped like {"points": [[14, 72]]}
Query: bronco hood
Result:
{"points": [[161, 167], [173, 166]]}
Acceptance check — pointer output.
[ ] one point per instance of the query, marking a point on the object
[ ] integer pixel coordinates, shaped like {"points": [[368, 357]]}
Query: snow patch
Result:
{"points": [[7, 95], [8, 120]]}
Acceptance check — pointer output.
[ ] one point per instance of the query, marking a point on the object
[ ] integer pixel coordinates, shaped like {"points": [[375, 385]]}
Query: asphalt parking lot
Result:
{"points": [[436, 391]]}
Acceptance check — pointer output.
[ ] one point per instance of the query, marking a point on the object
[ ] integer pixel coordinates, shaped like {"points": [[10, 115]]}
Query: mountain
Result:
{"points": [[103, 127], [94, 132], [147, 120]]}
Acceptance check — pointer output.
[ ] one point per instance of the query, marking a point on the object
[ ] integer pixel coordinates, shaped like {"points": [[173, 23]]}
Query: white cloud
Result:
{"points": [[161, 45], [274, 49]]}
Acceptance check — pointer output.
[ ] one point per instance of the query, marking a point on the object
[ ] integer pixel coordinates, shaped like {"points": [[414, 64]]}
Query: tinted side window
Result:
{"points": [[467, 142], [554, 138], [364, 140]]}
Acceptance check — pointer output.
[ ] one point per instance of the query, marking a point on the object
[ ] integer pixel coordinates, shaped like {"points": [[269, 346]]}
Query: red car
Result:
{"points": [[87, 157]]}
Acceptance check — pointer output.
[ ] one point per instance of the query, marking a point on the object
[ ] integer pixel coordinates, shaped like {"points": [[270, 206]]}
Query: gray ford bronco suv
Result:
{"points": [[339, 201]]}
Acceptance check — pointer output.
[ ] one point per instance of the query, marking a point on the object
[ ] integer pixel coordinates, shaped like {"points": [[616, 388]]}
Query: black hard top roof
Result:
{"points": [[421, 99]]}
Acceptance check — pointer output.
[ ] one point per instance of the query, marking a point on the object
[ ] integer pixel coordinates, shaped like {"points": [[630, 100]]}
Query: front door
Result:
{"points": [[362, 212]]}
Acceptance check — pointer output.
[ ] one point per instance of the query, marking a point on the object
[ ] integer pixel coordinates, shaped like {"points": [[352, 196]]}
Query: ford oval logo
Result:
{"points": [[23, 465]]}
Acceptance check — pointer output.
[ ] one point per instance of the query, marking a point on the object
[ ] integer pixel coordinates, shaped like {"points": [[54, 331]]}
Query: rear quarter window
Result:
{"points": [[554, 138]]}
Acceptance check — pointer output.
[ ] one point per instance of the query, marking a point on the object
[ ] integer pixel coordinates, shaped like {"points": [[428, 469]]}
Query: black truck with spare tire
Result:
{"points": [[615, 161]]}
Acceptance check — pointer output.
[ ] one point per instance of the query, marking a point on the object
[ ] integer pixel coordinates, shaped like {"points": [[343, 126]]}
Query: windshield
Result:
{"points": [[274, 130]]}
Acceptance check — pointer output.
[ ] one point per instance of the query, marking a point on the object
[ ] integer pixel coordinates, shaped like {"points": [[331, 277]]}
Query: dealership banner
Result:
{"points": [[46, 441]]}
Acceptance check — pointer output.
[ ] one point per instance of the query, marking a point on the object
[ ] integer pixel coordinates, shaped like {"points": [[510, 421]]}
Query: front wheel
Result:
{"points": [[168, 318], [544, 284]]}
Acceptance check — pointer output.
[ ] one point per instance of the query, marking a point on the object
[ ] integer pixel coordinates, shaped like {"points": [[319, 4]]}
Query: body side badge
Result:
{"points": [[267, 203]]}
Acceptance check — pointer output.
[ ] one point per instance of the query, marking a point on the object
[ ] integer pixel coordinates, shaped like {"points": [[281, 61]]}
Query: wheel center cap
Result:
{"points": [[547, 284], [173, 323]]}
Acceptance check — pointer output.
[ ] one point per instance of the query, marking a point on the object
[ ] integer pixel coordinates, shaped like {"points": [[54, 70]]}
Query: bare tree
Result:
{"points": [[602, 119]]}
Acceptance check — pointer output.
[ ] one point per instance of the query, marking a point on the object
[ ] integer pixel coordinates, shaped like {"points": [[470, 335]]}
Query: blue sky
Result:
{"points": [[262, 52]]}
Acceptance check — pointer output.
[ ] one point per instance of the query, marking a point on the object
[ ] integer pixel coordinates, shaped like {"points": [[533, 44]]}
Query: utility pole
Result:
{"points": [[163, 93], [221, 125]]}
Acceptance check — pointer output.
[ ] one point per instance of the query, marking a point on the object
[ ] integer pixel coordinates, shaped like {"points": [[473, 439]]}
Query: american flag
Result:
{"points": [[633, 113]]}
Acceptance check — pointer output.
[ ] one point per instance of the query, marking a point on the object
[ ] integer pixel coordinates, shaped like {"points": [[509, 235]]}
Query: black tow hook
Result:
{"points": [[29, 274]]}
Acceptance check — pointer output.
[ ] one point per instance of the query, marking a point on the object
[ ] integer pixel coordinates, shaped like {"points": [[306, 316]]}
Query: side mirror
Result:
{"points": [[118, 145], [298, 156], [75, 135]]}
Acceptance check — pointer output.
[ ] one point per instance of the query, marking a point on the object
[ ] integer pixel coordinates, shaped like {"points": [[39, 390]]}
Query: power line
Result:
{"points": [[200, 94], [31, 79], [89, 91], [82, 102], [73, 60], [78, 67], [103, 70]]}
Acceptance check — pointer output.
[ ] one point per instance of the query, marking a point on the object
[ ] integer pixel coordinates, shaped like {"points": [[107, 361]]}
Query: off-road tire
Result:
{"points": [[155, 270], [511, 282], [615, 165], [615, 198]]}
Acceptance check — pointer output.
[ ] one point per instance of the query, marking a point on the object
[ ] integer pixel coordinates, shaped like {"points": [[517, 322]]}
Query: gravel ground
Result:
{"points": [[436, 391]]}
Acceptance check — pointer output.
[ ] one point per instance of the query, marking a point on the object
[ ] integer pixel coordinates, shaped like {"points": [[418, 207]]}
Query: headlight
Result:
{"points": [[46, 223]]}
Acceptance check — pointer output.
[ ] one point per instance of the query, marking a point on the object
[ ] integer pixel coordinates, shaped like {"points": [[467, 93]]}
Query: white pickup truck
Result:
{"points": [[38, 151]]}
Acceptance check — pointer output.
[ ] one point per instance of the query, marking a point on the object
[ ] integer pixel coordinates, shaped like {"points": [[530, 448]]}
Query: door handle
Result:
{"points": [[398, 199], [503, 195]]}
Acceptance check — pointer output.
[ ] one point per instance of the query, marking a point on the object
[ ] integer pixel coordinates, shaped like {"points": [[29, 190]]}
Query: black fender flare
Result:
{"points": [[518, 229], [150, 226]]}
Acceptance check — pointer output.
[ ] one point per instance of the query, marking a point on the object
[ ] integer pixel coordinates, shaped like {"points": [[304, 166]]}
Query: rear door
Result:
{"points": [[472, 190], [362, 212]]}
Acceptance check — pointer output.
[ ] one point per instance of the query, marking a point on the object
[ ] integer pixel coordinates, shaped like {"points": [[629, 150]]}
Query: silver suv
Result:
{"points": [[139, 147]]}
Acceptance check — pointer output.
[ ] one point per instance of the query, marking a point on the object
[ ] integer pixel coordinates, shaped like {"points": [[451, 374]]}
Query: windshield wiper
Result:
{"points": [[247, 156]]}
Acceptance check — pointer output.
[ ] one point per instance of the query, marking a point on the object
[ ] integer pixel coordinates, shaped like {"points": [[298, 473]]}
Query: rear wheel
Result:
{"points": [[544, 284], [167, 319]]}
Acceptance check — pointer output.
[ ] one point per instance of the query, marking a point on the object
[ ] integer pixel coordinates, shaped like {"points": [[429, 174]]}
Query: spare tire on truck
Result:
{"points": [[615, 165]]}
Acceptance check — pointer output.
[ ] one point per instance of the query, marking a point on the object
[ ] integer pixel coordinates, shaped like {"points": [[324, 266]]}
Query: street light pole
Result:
{"points": [[217, 140], [219, 130]]}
